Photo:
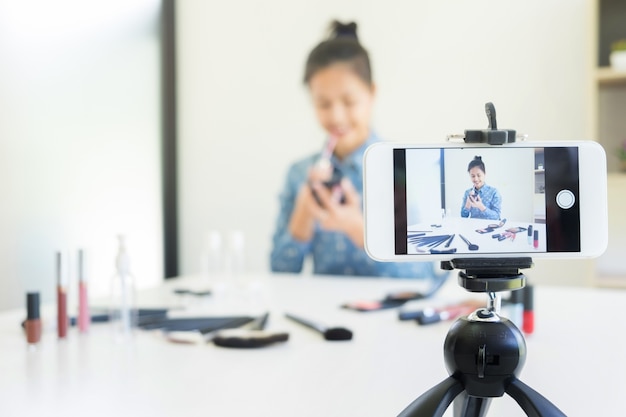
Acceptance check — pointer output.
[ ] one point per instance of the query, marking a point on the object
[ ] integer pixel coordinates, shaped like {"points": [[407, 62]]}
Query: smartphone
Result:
{"points": [[552, 196]]}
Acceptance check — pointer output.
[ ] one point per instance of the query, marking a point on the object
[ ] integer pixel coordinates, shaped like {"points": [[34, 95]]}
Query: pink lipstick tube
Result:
{"points": [[83, 301]]}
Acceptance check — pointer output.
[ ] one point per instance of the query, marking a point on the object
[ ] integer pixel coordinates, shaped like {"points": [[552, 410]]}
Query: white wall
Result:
{"points": [[244, 114], [79, 141]]}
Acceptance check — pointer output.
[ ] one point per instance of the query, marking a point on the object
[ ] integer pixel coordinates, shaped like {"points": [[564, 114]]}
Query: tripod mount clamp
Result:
{"points": [[489, 274], [492, 135]]}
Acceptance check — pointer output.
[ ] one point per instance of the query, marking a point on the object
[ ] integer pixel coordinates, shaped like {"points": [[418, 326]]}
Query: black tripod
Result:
{"points": [[483, 352]]}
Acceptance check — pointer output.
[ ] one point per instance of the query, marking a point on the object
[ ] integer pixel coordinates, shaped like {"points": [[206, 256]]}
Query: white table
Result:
{"points": [[575, 358]]}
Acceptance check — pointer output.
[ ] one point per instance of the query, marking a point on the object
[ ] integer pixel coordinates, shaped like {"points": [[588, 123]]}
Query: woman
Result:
{"points": [[314, 221], [482, 201]]}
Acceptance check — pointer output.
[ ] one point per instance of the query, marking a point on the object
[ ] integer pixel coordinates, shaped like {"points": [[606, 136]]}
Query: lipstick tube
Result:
{"points": [[62, 319], [528, 326], [536, 239], [33, 319], [83, 301]]}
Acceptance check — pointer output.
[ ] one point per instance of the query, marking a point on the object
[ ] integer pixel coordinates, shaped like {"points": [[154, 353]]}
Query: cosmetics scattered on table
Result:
{"points": [[392, 300], [431, 315]]}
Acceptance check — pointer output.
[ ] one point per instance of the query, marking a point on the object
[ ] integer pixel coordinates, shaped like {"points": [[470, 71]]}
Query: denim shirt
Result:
{"points": [[332, 252], [491, 199]]}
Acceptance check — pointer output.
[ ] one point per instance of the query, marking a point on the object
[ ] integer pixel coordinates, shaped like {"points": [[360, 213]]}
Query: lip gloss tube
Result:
{"points": [[83, 301], [530, 234], [62, 319], [33, 318], [528, 326], [536, 239]]}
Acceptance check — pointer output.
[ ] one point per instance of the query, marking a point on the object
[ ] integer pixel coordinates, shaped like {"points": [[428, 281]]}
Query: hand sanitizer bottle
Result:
{"points": [[123, 312]]}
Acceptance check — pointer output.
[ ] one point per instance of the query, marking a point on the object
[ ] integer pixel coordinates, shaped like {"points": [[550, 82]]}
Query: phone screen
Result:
{"points": [[486, 200]]}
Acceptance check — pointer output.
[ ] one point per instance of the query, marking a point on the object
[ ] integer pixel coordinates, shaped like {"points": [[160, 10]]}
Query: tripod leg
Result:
{"points": [[533, 403], [466, 406], [435, 401]]}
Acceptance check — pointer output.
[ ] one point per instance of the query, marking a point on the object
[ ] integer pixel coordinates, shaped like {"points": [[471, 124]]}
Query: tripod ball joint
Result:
{"points": [[485, 357]]}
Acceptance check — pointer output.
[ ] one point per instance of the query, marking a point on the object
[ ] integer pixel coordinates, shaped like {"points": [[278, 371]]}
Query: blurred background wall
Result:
{"points": [[79, 141], [244, 114], [80, 112]]}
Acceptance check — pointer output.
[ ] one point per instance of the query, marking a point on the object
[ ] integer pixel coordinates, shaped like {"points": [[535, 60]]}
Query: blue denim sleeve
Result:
{"points": [[287, 253], [465, 212]]}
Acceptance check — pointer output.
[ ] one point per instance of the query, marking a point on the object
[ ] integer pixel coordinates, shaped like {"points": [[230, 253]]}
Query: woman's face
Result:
{"points": [[478, 177], [343, 104]]}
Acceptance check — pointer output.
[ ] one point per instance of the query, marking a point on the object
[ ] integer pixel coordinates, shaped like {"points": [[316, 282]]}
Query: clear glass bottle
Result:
{"points": [[123, 310]]}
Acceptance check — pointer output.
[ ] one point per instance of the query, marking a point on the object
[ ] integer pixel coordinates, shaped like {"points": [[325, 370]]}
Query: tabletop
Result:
{"points": [[575, 356]]}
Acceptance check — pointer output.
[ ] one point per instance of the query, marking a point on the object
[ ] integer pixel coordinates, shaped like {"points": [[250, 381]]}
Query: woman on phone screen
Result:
{"points": [[321, 214], [482, 201]]}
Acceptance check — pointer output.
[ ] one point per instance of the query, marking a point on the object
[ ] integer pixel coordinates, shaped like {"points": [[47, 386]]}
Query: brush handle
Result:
{"points": [[307, 323], [261, 322]]}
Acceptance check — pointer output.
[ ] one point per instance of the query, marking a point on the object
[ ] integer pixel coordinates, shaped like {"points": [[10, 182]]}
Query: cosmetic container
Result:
{"points": [[83, 300], [33, 319], [62, 318], [123, 311], [236, 257], [529, 309]]}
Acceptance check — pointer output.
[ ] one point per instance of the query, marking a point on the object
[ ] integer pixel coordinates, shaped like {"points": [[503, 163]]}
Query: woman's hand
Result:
{"points": [[346, 217], [476, 202], [307, 209]]}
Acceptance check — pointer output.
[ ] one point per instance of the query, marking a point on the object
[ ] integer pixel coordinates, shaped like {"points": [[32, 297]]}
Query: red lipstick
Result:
{"points": [[33, 319], [528, 325]]}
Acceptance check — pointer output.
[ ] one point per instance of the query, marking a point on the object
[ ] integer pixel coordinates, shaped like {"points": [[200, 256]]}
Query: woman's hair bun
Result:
{"points": [[339, 30], [478, 158]]}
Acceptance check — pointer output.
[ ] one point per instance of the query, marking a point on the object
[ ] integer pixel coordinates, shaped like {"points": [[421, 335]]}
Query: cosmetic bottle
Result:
{"points": [[122, 312], [83, 301], [213, 259], [530, 234], [33, 319], [62, 318], [529, 309]]}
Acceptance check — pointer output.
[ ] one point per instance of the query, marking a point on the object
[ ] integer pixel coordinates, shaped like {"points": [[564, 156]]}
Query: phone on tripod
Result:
{"points": [[435, 202]]}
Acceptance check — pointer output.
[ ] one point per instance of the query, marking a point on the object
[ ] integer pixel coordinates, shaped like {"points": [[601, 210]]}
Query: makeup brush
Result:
{"points": [[470, 245], [252, 337], [329, 333]]}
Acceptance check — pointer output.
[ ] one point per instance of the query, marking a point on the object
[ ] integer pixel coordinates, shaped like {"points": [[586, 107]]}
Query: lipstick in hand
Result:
{"points": [[83, 301], [62, 319]]}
